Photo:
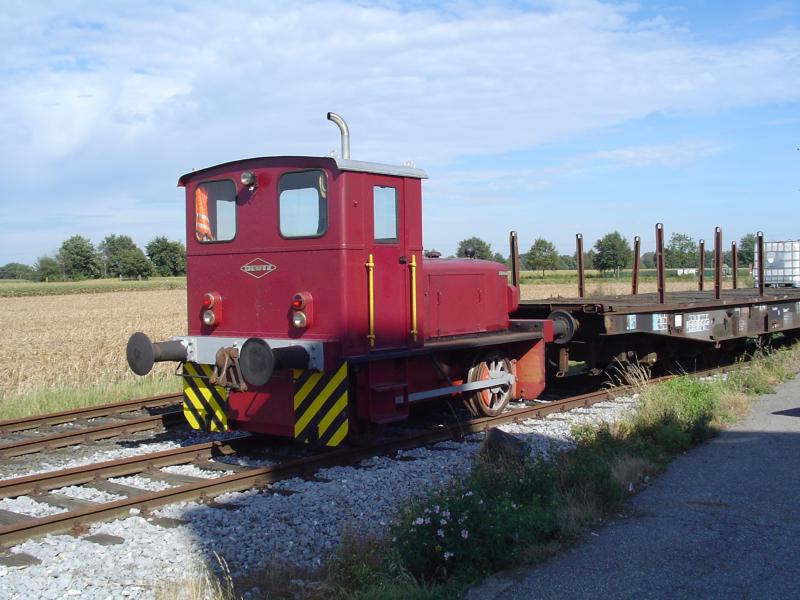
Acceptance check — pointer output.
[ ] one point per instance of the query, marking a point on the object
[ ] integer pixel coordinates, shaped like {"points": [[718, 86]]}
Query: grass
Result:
{"points": [[61, 352], [10, 288]]}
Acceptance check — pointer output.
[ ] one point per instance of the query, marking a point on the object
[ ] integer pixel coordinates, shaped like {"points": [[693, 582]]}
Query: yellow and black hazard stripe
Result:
{"points": [[320, 406], [204, 405]]}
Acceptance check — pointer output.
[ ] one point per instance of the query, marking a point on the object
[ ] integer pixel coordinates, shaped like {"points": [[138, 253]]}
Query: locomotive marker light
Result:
{"points": [[302, 310], [211, 309], [248, 178]]}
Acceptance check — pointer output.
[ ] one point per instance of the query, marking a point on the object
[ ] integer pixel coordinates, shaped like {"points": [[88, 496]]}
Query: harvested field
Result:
{"points": [[59, 352], [606, 287]]}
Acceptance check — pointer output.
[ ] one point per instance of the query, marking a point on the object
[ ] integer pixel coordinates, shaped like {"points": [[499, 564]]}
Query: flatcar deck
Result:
{"points": [[690, 315], [648, 303]]}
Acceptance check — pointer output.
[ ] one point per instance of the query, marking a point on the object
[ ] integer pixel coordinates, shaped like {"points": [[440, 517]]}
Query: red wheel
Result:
{"points": [[489, 402]]}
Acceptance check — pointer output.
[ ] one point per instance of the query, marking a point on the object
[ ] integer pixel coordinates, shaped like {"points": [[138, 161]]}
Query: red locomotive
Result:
{"points": [[313, 312]]}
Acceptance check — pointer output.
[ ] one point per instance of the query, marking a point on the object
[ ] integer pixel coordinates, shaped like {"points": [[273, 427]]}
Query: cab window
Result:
{"points": [[303, 204], [384, 214], [215, 211]]}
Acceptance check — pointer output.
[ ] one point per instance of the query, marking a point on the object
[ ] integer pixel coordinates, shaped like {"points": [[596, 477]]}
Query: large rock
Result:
{"points": [[499, 444]]}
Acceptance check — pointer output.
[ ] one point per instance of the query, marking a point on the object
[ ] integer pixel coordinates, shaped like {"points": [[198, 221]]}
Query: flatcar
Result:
{"points": [[313, 313]]}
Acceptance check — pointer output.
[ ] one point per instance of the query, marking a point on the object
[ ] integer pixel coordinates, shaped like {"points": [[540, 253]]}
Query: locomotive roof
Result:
{"points": [[341, 163]]}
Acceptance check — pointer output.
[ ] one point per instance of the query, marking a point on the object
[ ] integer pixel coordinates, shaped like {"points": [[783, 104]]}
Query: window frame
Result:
{"points": [[327, 205], [396, 238], [235, 210]]}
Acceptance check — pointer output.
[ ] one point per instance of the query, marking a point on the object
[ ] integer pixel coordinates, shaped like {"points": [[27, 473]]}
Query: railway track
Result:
{"points": [[28, 435], [78, 513]]}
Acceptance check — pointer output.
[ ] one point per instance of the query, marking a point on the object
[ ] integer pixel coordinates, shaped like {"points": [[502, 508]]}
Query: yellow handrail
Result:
{"points": [[412, 266], [370, 264]]}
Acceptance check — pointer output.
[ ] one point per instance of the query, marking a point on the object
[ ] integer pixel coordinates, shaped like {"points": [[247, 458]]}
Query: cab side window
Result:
{"points": [[384, 214], [215, 211]]}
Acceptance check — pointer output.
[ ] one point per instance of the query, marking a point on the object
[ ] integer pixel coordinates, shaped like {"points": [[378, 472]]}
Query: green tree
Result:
{"points": [[680, 252], [168, 257], [567, 261], [746, 250], [78, 258], [648, 260], [111, 249], [15, 270], [542, 256], [48, 269], [133, 263], [482, 249], [612, 252]]}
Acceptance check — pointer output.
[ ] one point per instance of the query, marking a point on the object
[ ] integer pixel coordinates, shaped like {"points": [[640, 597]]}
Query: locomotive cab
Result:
{"points": [[310, 306]]}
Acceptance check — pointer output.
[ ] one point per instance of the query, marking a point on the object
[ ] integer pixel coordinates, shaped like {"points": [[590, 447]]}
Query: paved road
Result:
{"points": [[722, 522]]}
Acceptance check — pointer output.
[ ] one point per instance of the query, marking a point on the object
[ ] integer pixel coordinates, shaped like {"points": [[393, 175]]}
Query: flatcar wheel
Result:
{"points": [[489, 402]]}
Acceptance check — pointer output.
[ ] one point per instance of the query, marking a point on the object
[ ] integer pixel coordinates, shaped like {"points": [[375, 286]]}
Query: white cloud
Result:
{"points": [[678, 153], [149, 91]]}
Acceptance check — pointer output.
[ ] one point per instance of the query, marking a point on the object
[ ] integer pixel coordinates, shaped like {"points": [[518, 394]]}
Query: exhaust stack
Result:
{"points": [[332, 116]]}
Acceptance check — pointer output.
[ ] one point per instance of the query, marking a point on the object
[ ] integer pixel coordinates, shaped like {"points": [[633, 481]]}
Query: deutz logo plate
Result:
{"points": [[258, 267]]}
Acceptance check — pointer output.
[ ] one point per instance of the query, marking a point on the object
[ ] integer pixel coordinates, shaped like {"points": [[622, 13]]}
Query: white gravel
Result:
{"points": [[88, 493], [142, 482], [265, 525], [27, 506], [192, 470]]}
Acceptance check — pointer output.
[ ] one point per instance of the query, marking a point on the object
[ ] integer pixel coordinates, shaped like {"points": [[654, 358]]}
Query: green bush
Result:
{"points": [[476, 524], [672, 438]]}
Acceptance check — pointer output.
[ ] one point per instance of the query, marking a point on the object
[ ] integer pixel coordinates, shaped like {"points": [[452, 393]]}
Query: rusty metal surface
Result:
{"points": [[635, 270], [102, 410], [579, 260], [660, 273]]}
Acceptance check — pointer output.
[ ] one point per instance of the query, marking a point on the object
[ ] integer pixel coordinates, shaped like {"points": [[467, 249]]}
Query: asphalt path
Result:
{"points": [[723, 521]]}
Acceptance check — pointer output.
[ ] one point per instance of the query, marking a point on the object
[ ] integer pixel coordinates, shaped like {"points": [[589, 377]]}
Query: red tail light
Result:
{"points": [[301, 301], [209, 317]]}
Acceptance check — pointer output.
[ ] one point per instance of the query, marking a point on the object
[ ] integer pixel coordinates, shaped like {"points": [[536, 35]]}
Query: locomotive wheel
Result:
{"points": [[489, 402]]}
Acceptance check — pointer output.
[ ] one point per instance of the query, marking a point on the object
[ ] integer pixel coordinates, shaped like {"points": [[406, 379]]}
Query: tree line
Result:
{"points": [[116, 256], [613, 252]]}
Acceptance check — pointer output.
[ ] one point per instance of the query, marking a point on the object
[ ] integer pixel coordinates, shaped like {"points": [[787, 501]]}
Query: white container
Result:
{"points": [[782, 265]]}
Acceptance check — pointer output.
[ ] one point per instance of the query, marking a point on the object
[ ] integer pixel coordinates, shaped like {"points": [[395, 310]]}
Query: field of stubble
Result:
{"points": [[605, 287], [65, 351]]}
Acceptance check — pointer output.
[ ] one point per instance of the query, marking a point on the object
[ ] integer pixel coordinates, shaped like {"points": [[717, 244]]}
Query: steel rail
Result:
{"points": [[88, 434], [84, 474], [256, 477], [102, 410]]}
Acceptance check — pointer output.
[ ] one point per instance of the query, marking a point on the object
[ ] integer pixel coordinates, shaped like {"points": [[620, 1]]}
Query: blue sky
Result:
{"points": [[550, 118]]}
